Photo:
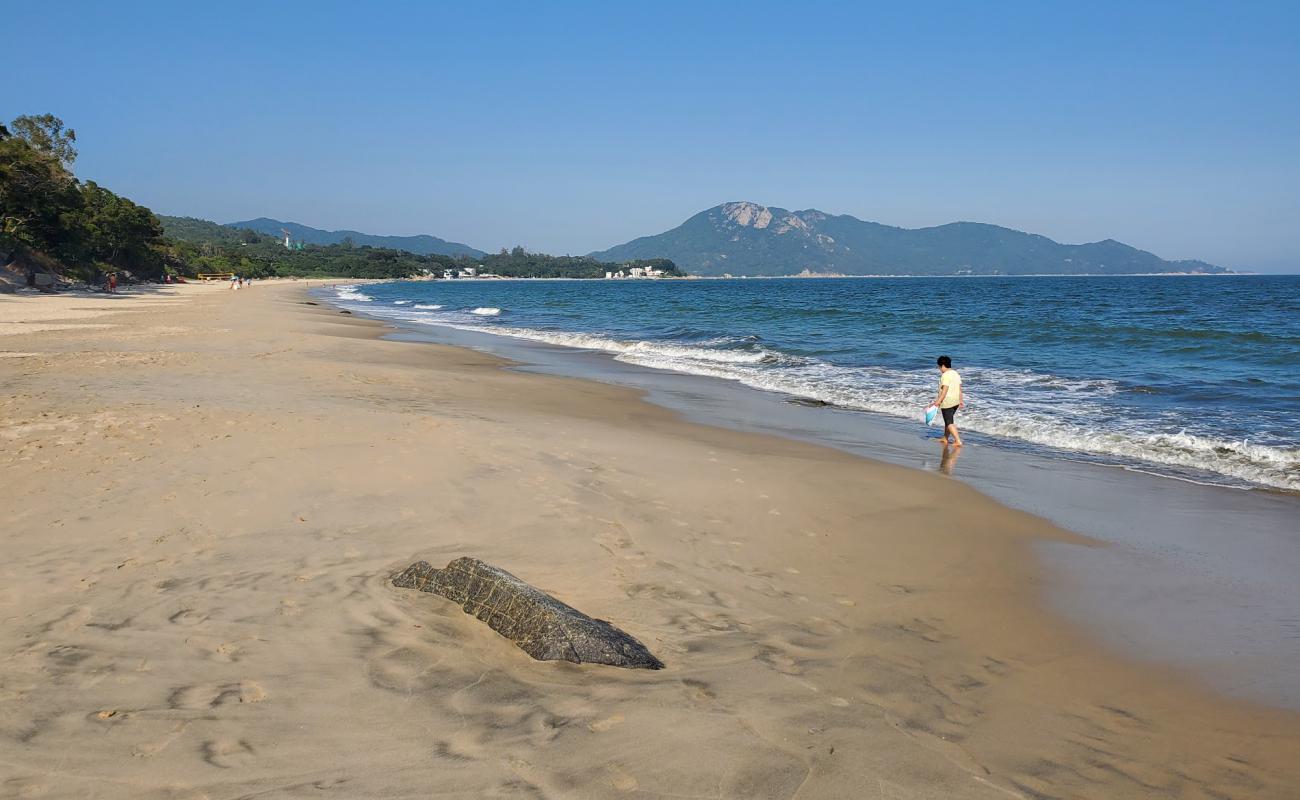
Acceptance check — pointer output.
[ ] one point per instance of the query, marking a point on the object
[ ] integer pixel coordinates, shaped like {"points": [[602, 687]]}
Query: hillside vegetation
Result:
{"points": [[210, 247], [423, 244], [48, 216]]}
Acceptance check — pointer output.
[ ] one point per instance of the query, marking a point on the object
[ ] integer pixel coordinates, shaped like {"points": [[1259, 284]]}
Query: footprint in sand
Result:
{"points": [[153, 748], [698, 690], [187, 616], [227, 753], [602, 725], [779, 661], [622, 780], [211, 696], [230, 651]]}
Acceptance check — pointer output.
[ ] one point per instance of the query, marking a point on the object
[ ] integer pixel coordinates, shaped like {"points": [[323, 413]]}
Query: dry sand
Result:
{"points": [[205, 493]]}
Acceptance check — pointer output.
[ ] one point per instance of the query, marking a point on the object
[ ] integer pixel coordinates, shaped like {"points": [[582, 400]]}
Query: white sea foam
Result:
{"points": [[1040, 409], [683, 354], [352, 293], [402, 302], [1045, 410]]}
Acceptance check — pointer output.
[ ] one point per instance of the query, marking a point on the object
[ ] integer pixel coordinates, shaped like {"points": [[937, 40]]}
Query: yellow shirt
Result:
{"points": [[952, 380]]}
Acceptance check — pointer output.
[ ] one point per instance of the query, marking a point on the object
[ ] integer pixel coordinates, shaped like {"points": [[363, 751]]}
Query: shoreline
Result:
{"points": [[1022, 415], [1151, 595], [826, 625]]}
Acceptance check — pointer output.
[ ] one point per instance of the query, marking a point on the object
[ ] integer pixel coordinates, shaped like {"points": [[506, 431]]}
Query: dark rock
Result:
{"points": [[345, 311], [540, 625], [806, 401]]}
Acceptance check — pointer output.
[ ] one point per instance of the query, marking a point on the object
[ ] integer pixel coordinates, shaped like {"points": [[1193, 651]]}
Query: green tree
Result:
{"points": [[47, 134], [85, 227], [36, 193], [120, 233]]}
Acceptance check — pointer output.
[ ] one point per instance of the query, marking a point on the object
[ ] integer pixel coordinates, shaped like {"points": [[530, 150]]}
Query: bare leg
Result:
{"points": [[951, 430]]}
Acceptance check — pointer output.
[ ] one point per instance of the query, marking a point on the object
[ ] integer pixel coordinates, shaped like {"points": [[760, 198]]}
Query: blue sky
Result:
{"points": [[569, 127]]}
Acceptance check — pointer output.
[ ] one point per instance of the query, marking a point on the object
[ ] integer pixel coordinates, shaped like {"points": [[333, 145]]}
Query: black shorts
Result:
{"points": [[949, 414]]}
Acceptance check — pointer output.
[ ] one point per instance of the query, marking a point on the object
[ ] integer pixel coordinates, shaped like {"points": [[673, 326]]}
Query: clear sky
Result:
{"points": [[570, 127]]}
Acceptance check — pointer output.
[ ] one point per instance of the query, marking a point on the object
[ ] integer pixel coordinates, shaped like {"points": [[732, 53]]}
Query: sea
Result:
{"points": [[1188, 377]]}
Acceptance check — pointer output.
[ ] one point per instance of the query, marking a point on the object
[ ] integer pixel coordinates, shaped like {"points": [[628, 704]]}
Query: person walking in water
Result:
{"points": [[949, 400]]}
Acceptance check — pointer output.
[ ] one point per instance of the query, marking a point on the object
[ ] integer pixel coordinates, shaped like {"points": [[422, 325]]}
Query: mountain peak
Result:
{"points": [[747, 238], [747, 214], [760, 217]]}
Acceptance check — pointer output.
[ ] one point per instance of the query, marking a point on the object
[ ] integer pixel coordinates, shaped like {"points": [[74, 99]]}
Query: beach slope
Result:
{"points": [[207, 492]]}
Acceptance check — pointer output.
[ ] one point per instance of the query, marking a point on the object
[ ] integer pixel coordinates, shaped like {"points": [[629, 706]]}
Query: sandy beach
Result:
{"points": [[207, 491]]}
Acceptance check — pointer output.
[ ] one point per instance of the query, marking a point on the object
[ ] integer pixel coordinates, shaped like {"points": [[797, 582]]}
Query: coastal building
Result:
{"points": [[635, 272]]}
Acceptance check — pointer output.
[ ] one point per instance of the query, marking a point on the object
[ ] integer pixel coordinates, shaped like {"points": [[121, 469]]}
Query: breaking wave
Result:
{"points": [[1104, 418]]}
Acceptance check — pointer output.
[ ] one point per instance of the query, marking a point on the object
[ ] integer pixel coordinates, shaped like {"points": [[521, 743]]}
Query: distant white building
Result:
{"points": [[635, 272]]}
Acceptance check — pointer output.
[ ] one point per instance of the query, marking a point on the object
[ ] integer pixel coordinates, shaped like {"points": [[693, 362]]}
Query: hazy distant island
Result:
{"points": [[746, 238]]}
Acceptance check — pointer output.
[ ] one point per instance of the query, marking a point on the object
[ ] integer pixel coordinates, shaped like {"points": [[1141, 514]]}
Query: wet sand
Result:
{"points": [[207, 490], [1198, 578]]}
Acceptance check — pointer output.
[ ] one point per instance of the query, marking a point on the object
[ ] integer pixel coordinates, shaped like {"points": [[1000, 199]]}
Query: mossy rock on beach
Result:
{"points": [[543, 627]]}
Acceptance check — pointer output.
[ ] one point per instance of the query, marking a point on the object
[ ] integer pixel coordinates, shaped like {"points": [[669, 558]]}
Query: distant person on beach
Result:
{"points": [[950, 399]]}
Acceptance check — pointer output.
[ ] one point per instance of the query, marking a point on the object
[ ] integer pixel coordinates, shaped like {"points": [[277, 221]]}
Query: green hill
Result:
{"points": [[423, 244], [209, 247], [748, 239], [193, 229]]}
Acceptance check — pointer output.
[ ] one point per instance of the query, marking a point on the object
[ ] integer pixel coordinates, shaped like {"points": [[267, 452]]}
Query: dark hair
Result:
{"points": [[944, 361]]}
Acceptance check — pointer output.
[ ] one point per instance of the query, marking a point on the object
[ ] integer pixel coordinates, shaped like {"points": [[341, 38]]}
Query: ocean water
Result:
{"points": [[1191, 377]]}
